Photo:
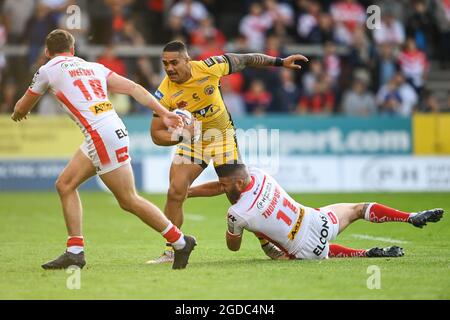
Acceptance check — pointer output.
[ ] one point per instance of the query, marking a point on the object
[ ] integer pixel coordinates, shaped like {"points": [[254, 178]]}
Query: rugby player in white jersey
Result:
{"points": [[82, 89], [292, 230]]}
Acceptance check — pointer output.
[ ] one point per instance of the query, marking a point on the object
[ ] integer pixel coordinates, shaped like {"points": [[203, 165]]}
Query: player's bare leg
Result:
{"points": [[182, 174], [78, 170], [347, 213], [121, 183]]}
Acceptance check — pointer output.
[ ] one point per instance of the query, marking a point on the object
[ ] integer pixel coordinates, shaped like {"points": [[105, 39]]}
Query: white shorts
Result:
{"points": [[107, 146], [321, 226]]}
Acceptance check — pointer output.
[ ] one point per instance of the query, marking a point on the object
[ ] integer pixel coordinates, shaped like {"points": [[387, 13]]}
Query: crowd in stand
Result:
{"points": [[359, 71]]}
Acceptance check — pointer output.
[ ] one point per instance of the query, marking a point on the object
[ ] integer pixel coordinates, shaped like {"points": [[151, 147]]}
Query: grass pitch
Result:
{"points": [[32, 231]]}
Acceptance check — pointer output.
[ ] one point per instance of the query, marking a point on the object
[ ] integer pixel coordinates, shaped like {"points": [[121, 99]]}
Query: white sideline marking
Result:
{"points": [[194, 217], [367, 237]]}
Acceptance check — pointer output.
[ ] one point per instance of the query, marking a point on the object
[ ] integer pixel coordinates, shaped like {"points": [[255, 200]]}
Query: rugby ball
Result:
{"points": [[186, 115]]}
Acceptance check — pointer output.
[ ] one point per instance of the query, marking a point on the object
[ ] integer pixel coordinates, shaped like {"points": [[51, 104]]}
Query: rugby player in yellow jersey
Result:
{"points": [[194, 86]]}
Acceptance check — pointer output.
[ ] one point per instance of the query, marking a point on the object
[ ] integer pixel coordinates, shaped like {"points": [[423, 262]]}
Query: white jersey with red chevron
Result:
{"points": [[266, 209], [81, 87]]}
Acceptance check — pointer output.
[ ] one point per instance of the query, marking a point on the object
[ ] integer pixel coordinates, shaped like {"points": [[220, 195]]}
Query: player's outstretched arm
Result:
{"points": [[239, 62], [119, 84], [208, 189], [24, 106]]}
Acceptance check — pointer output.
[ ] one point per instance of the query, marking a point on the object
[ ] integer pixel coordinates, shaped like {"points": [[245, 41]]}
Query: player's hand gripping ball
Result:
{"points": [[186, 115]]}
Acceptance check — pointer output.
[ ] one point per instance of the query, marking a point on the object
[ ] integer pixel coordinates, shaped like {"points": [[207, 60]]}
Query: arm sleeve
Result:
{"points": [[218, 66], [40, 82], [236, 224]]}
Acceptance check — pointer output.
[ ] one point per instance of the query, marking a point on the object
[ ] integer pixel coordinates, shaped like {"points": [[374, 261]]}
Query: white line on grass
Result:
{"points": [[367, 237], [194, 217]]}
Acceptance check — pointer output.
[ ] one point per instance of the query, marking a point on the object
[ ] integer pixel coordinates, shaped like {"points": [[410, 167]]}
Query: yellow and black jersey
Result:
{"points": [[200, 95]]}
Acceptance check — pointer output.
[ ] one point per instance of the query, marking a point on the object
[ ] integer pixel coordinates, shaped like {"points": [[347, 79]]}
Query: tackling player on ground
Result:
{"points": [[82, 89], [194, 86], [292, 230]]}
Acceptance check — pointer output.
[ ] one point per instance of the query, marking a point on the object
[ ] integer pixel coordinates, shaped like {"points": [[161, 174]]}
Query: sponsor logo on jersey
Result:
{"points": [[122, 154], [159, 95], [220, 59], [101, 107], [70, 65], [182, 104], [203, 80], [209, 90], [293, 233], [324, 231], [205, 112], [209, 62], [121, 133], [232, 218], [176, 94], [266, 194]]}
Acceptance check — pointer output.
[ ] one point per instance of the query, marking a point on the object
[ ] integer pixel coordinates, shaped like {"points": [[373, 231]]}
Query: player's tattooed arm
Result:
{"points": [[239, 62]]}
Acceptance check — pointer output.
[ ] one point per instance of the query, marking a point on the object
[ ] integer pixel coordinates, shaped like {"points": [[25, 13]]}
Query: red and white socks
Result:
{"points": [[75, 244], [173, 235], [379, 213], [338, 251]]}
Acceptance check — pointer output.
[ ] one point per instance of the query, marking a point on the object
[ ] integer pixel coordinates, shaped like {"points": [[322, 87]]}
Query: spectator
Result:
{"points": [[420, 25], [443, 26], [281, 15], [321, 101], [414, 64], [325, 33], [288, 93], [257, 98], [389, 98], [206, 33], [397, 97], [254, 26], [273, 46], [16, 14], [153, 16], [177, 31], [391, 31], [3, 39], [361, 49], [332, 62], [308, 23], [40, 24], [236, 81], [386, 64], [112, 62], [348, 14], [129, 34], [429, 103], [190, 12], [211, 48], [358, 101], [234, 101], [311, 77]]}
